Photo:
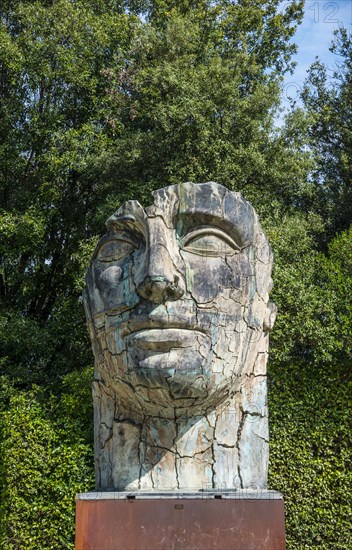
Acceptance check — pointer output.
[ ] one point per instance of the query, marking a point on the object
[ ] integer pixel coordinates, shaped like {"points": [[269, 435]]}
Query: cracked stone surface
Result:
{"points": [[178, 310]]}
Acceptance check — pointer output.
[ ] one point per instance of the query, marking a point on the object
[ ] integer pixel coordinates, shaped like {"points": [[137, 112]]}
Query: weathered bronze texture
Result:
{"points": [[178, 310], [214, 521]]}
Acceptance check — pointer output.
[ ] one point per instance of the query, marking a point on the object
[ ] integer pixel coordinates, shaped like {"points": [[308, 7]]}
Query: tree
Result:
{"points": [[196, 96], [328, 102], [51, 82]]}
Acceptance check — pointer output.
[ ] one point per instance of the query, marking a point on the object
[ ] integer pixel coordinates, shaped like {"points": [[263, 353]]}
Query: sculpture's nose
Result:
{"points": [[159, 279], [157, 289]]}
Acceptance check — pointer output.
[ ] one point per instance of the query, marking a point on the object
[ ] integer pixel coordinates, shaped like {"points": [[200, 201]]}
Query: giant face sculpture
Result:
{"points": [[178, 310]]}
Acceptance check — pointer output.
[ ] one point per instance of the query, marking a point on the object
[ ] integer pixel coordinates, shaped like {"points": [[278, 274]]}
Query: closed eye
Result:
{"points": [[209, 242], [115, 249]]}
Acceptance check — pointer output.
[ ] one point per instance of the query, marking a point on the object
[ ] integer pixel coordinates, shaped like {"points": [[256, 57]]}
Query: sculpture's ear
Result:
{"points": [[270, 317]]}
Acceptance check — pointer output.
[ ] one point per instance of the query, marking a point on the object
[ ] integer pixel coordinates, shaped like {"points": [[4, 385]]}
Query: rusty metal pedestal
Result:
{"points": [[217, 520]]}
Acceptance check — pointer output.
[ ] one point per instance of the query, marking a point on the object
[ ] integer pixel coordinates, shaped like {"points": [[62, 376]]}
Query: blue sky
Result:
{"points": [[313, 38]]}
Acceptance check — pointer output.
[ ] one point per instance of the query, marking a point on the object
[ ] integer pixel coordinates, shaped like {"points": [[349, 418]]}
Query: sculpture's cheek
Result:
{"points": [[208, 277], [114, 285], [111, 276]]}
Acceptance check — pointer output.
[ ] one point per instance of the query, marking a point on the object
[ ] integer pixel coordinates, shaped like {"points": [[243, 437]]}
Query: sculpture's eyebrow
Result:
{"points": [[129, 217], [126, 223]]}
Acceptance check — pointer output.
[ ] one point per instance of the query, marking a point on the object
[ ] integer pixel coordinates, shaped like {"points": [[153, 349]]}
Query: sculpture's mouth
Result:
{"points": [[167, 327], [164, 339], [168, 349]]}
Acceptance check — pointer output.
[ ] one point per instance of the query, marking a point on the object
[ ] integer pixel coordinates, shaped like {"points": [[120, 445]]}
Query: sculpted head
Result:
{"points": [[178, 300]]}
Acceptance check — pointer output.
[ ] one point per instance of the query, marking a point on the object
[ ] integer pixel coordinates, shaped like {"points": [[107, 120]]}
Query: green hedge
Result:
{"points": [[310, 453], [45, 460]]}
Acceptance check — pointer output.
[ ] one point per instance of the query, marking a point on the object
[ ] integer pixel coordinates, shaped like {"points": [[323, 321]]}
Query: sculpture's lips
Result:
{"points": [[164, 338], [139, 324]]}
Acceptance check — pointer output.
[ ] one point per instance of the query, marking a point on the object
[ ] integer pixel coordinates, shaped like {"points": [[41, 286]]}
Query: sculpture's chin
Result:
{"points": [[169, 392], [180, 372], [157, 381]]}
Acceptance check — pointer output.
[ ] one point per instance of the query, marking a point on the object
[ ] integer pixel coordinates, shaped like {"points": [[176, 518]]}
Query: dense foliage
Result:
{"points": [[46, 461], [105, 100], [310, 387], [329, 103]]}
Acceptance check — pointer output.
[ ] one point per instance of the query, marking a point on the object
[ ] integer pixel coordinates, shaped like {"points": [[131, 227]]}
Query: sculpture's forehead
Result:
{"points": [[189, 205]]}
